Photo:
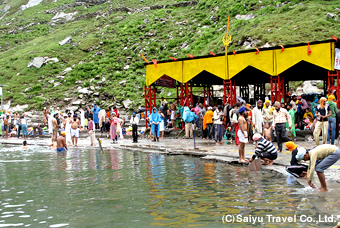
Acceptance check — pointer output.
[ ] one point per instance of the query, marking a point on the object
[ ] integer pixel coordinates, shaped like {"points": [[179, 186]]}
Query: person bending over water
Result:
{"points": [[61, 143], [264, 150], [327, 155]]}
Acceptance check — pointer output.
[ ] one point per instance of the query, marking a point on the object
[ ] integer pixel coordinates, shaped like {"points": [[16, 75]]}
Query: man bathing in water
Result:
{"points": [[61, 143], [242, 133], [75, 129]]}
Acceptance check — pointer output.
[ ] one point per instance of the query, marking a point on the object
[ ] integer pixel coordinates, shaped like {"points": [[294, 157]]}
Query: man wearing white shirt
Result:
{"points": [[134, 122]]}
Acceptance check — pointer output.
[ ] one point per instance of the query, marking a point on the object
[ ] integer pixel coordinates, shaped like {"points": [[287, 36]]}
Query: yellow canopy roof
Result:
{"points": [[271, 61]]}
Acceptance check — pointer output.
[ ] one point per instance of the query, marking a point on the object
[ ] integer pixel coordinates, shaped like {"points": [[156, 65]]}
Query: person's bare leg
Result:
{"points": [[73, 140], [322, 180], [241, 152], [76, 139]]}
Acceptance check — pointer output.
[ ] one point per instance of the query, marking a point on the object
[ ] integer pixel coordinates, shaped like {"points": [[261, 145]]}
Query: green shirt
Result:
{"points": [[319, 153], [333, 108]]}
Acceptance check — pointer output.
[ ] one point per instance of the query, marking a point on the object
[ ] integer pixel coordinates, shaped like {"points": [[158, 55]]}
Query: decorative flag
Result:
{"points": [[212, 53], [335, 38], [154, 62], [234, 52], [257, 51], [144, 58], [309, 50], [282, 48], [190, 56], [174, 59]]}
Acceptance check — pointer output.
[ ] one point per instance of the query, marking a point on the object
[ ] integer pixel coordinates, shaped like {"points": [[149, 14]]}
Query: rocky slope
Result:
{"points": [[70, 53]]}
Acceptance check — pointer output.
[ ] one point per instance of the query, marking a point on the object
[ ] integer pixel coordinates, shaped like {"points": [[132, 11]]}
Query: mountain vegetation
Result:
{"points": [[100, 60]]}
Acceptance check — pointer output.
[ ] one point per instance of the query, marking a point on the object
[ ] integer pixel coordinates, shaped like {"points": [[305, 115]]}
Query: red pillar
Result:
{"points": [[229, 89], [333, 78], [150, 100], [277, 88]]}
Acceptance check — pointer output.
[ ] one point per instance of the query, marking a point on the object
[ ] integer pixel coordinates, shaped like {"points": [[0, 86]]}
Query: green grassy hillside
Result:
{"points": [[107, 40]]}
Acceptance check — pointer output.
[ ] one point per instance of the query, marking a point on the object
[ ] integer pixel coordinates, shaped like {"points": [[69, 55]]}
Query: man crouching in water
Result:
{"points": [[61, 143], [265, 150], [327, 155]]}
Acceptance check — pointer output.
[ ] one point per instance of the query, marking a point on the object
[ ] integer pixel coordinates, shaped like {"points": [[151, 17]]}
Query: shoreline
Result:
{"points": [[205, 149]]}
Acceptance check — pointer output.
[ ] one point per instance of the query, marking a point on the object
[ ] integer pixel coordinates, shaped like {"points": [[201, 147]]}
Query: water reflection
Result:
{"points": [[85, 188]]}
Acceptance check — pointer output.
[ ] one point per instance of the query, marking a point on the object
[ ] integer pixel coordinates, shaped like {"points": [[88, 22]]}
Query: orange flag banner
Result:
{"points": [[190, 56], [335, 38], [174, 59], [212, 53], [282, 48], [154, 62], [309, 50], [144, 58], [257, 51], [234, 52]]}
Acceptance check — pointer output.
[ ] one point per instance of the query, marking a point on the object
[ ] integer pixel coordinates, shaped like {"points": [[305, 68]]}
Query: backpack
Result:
{"points": [[234, 118]]}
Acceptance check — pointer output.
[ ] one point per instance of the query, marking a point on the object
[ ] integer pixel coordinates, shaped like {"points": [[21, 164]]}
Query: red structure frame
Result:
{"points": [[229, 89], [186, 94], [150, 100], [277, 88], [208, 93], [333, 78]]}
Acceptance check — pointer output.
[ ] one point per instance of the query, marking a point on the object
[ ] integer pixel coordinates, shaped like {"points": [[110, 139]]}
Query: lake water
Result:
{"points": [[84, 188]]}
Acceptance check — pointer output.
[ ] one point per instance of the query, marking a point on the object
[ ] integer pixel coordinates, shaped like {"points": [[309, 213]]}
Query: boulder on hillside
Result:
{"points": [[63, 16], [66, 70], [67, 40], [127, 103], [37, 62], [245, 17]]}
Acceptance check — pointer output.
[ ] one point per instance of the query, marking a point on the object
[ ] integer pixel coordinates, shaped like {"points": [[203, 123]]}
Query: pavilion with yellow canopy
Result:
{"points": [[275, 65]]}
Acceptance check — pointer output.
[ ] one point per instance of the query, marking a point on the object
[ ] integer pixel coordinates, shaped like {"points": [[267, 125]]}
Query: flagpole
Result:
{"points": [[226, 41]]}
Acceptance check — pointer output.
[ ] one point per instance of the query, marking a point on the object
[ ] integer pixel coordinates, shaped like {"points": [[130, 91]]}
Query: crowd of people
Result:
{"points": [[67, 125]]}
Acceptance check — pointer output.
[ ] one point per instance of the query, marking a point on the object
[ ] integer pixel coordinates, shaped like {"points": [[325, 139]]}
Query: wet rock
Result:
{"points": [[67, 40], [126, 67], [27, 89], [67, 99], [60, 77], [37, 62], [79, 82], [96, 94], [51, 81]]}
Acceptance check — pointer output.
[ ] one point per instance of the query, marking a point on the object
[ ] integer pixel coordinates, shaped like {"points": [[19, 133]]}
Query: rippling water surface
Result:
{"points": [[83, 188]]}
